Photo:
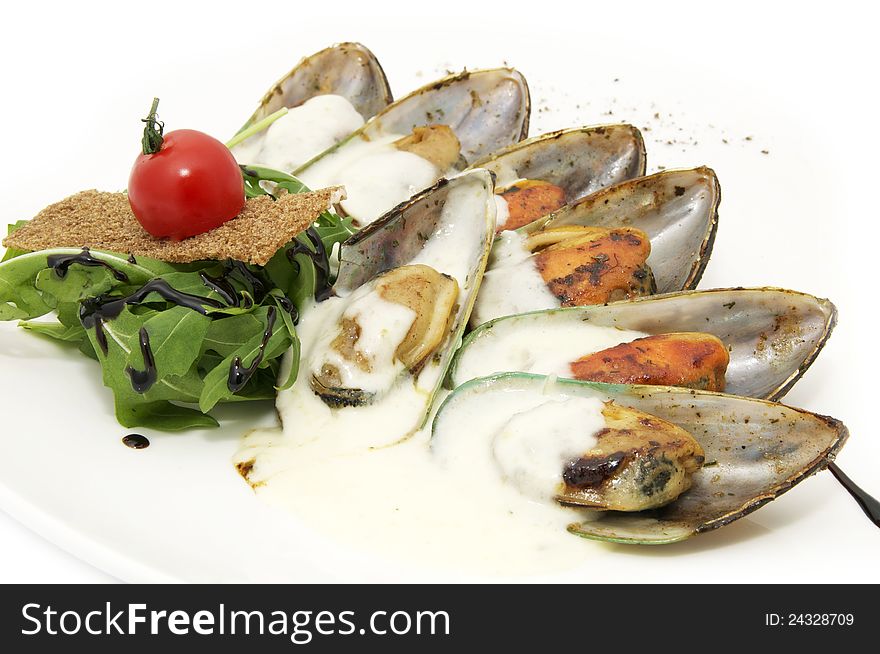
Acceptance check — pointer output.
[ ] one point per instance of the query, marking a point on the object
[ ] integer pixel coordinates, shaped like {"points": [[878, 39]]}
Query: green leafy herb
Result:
{"points": [[193, 348]]}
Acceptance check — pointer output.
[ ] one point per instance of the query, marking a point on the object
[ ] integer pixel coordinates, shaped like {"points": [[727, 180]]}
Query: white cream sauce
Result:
{"points": [[352, 429], [532, 448], [505, 174], [544, 347], [502, 211], [512, 283], [302, 133], [382, 327], [376, 175], [453, 249], [446, 507]]}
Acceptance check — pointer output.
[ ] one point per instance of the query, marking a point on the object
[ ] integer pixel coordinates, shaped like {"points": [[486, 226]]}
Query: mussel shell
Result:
{"points": [[346, 69], [772, 335], [755, 451], [677, 209], [487, 110], [399, 235], [580, 160]]}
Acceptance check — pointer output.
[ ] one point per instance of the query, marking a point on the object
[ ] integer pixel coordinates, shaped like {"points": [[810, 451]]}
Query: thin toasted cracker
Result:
{"points": [[104, 221]]}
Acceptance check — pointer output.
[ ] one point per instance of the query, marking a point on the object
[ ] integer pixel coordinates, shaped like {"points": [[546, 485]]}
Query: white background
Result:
{"points": [[798, 81]]}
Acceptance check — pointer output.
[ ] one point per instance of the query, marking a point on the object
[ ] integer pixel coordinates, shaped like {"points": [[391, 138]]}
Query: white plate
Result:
{"points": [[179, 511]]}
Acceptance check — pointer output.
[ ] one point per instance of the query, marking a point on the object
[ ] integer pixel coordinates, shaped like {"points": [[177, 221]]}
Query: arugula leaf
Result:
{"points": [[306, 282], [216, 387], [164, 416], [225, 336], [258, 178], [67, 329], [283, 274], [193, 350], [192, 283], [334, 229], [155, 407], [77, 283], [54, 330], [293, 371], [21, 299], [176, 336], [260, 387]]}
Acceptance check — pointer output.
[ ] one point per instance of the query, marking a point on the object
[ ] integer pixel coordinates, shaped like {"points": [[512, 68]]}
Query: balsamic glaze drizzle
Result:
{"points": [[869, 505], [131, 259], [94, 312], [100, 336], [239, 375], [142, 380], [102, 308], [222, 287], [287, 305], [319, 258], [136, 441], [61, 263], [257, 284]]}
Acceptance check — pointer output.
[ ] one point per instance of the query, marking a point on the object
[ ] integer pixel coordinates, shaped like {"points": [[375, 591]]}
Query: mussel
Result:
{"points": [[542, 174], [329, 94], [374, 355], [769, 336], [348, 70], [647, 235], [433, 132], [650, 464], [638, 462], [394, 323]]}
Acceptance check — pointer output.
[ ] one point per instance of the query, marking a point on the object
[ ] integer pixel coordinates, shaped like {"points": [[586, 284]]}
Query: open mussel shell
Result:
{"points": [[677, 209], [398, 236], [754, 451], [772, 335], [581, 160], [487, 110], [448, 227], [346, 69]]}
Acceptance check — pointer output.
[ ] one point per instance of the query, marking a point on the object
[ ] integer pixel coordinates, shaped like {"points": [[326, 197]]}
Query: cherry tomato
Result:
{"points": [[191, 185]]}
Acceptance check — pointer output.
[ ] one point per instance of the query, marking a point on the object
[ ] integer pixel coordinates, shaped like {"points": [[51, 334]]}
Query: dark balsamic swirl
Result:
{"points": [[95, 312], [136, 441], [143, 380], [106, 308], [222, 287], [319, 258], [61, 263], [239, 374]]}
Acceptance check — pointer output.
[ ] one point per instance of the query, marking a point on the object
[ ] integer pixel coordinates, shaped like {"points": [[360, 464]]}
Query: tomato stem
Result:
{"points": [[259, 126], [152, 141]]}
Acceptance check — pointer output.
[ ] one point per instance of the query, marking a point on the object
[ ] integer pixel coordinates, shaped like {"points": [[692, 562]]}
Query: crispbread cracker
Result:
{"points": [[104, 221]]}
